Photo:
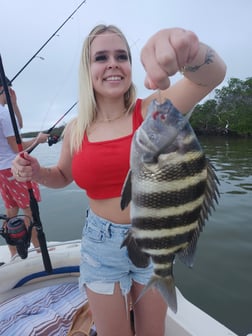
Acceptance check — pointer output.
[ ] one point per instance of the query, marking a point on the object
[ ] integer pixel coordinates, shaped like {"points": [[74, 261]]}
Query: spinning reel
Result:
{"points": [[53, 139], [16, 234]]}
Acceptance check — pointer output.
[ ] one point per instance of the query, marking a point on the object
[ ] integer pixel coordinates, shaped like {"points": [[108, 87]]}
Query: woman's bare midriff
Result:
{"points": [[110, 209]]}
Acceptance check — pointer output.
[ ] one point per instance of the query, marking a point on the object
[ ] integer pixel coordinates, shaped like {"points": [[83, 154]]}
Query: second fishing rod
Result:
{"points": [[52, 139]]}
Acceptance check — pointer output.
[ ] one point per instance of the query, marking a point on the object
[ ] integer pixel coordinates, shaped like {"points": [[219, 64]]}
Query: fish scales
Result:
{"points": [[172, 188], [168, 222], [168, 211], [148, 245], [187, 165], [158, 200]]}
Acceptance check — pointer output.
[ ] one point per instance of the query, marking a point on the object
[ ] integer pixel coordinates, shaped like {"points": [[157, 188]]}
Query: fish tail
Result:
{"points": [[166, 287]]}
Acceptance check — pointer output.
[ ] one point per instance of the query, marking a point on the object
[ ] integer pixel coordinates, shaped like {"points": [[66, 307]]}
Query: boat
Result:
{"points": [[35, 302]]}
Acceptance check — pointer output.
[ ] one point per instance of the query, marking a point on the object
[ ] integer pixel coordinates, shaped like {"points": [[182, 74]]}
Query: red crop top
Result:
{"points": [[101, 167]]}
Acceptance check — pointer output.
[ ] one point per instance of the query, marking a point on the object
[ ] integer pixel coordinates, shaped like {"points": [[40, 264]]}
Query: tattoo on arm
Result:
{"points": [[208, 59]]}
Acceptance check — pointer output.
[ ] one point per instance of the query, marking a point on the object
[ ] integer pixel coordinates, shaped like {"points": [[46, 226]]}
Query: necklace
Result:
{"points": [[96, 123], [111, 119]]}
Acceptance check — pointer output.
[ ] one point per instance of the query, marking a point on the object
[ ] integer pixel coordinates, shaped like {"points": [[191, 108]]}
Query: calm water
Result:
{"points": [[221, 279]]}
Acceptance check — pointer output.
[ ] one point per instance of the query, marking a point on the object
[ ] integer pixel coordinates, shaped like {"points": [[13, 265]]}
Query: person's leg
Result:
{"points": [[110, 313], [149, 312], [11, 207], [19, 194]]}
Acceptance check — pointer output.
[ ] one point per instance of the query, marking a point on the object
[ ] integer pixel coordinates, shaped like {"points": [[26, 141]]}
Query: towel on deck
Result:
{"points": [[43, 312]]}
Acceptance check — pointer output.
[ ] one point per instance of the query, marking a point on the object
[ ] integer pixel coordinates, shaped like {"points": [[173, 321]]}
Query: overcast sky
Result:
{"points": [[47, 87]]}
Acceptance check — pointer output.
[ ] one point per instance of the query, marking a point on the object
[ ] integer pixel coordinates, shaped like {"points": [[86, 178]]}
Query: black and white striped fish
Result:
{"points": [[172, 187]]}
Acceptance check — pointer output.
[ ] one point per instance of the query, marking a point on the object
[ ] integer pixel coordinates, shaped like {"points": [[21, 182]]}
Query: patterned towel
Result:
{"points": [[42, 312]]}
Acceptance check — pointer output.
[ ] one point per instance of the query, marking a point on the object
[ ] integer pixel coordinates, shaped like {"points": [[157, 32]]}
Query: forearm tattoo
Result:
{"points": [[208, 59]]}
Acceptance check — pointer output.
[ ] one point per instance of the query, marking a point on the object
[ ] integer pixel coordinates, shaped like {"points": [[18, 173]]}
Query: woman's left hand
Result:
{"points": [[165, 53]]}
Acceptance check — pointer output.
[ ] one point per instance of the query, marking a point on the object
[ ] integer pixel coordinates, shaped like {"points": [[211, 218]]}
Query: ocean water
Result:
{"points": [[221, 279]]}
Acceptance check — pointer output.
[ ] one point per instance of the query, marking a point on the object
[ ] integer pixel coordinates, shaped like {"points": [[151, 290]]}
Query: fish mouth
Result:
{"points": [[144, 141]]}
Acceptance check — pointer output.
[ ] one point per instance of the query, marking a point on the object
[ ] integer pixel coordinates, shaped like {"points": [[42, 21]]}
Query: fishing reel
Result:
{"points": [[53, 139], [15, 233]]}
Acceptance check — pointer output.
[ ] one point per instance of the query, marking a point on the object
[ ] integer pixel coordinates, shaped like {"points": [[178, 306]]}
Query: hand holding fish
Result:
{"points": [[166, 53], [177, 49]]}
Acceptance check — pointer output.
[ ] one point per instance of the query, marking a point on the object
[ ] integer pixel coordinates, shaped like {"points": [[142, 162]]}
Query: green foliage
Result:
{"points": [[56, 131], [232, 106]]}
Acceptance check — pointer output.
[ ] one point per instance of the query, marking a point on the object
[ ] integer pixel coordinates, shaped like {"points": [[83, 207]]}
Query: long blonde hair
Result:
{"points": [[87, 103]]}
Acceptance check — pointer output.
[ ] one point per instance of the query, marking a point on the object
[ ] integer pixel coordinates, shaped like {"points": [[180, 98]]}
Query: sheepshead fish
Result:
{"points": [[172, 187]]}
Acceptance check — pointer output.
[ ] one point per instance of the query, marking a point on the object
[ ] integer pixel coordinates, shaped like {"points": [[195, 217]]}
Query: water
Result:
{"points": [[220, 281]]}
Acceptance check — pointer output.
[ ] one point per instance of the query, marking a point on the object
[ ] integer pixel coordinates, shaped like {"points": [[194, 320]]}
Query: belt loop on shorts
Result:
{"points": [[108, 229], [87, 212]]}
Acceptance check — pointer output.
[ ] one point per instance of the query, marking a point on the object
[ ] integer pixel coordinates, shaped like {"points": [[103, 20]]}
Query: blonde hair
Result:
{"points": [[87, 102]]}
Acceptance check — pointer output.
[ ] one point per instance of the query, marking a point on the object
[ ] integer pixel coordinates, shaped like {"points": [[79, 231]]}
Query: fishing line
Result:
{"points": [[33, 202], [32, 147], [69, 17], [61, 88], [58, 29], [35, 143]]}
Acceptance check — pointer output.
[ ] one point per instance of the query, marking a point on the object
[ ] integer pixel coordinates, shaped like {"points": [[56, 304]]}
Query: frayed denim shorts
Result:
{"points": [[103, 261]]}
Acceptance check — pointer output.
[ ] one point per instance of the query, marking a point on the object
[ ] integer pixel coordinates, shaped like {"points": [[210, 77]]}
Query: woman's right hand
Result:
{"points": [[25, 167]]}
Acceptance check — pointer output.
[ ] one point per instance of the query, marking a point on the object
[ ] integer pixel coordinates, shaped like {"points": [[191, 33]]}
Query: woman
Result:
{"points": [[95, 154]]}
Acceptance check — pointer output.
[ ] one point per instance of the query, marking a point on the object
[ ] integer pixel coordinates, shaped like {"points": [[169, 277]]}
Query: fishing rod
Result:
{"points": [[54, 139], [33, 202], [69, 17], [50, 129]]}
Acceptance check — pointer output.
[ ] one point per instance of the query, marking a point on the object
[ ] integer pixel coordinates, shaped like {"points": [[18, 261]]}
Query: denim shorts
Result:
{"points": [[103, 261]]}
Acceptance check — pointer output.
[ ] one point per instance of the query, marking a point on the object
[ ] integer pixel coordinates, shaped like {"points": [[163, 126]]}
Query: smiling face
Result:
{"points": [[110, 65]]}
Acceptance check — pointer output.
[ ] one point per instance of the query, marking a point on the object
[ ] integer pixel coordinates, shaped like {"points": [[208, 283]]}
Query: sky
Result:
{"points": [[48, 85]]}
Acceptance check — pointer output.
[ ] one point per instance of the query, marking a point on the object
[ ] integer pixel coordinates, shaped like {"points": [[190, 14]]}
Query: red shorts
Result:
{"points": [[14, 193]]}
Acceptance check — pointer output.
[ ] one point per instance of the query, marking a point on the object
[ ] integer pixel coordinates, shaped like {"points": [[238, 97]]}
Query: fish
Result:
{"points": [[172, 188]]}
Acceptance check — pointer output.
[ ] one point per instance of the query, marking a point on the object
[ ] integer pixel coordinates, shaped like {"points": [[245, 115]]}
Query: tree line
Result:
{"points": [[228, 113], [57, 131]]}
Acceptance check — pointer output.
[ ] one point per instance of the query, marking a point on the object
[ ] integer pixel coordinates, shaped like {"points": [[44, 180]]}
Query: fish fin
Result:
{"points": [[138, 258], [211, 197], [167, 289], [126, 191], [211, 194], [187, 255]]}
